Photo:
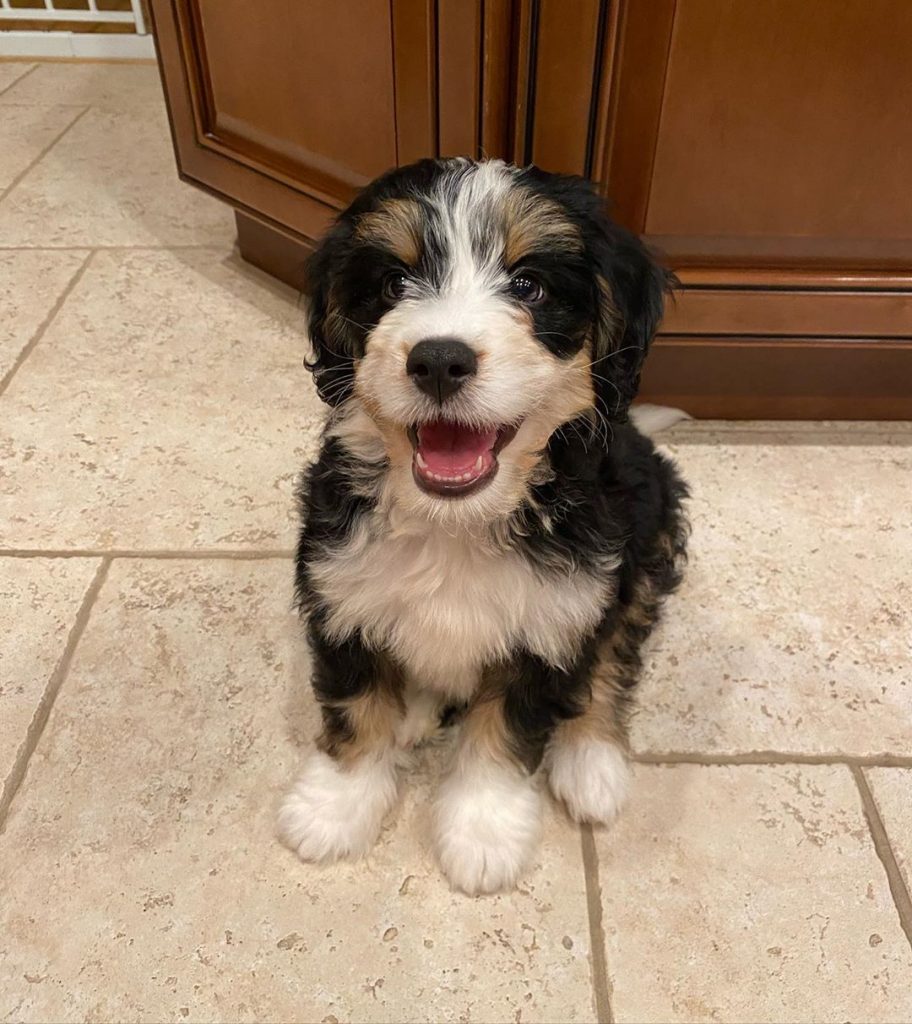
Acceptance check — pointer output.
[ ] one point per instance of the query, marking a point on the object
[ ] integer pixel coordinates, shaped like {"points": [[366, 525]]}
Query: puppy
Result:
{"points": [[484, 529]]}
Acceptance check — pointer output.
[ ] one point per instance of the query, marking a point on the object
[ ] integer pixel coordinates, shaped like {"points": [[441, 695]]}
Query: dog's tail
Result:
{"points": [[652, 419]]}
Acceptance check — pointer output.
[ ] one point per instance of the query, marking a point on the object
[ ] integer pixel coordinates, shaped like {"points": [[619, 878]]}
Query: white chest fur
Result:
{"points": [[447, 603]]}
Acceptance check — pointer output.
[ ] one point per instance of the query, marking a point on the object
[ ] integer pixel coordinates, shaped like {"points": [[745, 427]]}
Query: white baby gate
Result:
{"points": [[57, 43]]}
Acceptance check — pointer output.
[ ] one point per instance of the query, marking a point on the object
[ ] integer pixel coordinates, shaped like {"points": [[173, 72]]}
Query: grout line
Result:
{"points": [[167, 554], [76, 106], [45, 323], [23, 76], [881, 840], [42, 712], [44, 152], [601, 986], [148, 62], [114, 248], [776, 757]]}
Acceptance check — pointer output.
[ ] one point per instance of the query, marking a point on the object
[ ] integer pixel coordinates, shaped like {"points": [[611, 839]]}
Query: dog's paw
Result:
{"points": [[335, 811], [486, 828], [591, 777]]}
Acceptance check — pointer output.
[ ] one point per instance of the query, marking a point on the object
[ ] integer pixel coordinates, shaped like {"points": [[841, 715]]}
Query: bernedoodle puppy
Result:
{"points": [[486, 534]]}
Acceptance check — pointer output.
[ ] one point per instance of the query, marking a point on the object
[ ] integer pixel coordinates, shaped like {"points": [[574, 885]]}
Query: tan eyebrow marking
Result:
{"points": [[530, 221], [396, 224]]}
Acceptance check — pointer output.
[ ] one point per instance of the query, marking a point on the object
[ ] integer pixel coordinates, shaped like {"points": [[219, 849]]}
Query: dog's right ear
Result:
{"points": [[331, 344]]}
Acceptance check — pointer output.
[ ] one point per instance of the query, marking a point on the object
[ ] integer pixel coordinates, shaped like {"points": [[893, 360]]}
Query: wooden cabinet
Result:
{"points": [[287, 107], [764, 147]]}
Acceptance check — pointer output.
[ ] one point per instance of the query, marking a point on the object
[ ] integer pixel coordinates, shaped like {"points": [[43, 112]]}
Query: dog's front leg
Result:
{"points": [[487, 815], [349, 782]]}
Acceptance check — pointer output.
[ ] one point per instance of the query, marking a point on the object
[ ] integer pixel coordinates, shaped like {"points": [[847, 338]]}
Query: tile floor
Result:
{"points": [[153, 686]]}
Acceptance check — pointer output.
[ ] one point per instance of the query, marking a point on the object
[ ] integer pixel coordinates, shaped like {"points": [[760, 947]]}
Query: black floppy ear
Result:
{"points": [[630, 294], [332, 364], [629, 289], [632, 288]]}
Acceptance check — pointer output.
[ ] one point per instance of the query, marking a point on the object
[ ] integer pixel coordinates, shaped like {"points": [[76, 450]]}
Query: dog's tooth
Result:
{"points": [[479, 464], [419, 458]]}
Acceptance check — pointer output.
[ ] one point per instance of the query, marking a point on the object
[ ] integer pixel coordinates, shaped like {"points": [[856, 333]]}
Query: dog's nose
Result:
{"points": [[440, 366]]}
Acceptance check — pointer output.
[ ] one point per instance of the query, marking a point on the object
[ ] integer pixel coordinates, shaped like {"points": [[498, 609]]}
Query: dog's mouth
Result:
{"points": [[452, 460]]}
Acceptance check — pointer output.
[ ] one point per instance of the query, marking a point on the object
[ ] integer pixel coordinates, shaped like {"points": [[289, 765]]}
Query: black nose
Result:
{"points": [[440, 365]]}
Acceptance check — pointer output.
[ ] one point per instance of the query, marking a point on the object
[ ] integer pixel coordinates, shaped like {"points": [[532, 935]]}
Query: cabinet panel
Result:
{"points": [[567, 49], [312, 116], [786, 119], [763, 134], [780, 378], [789, 313], [415, 71], [764, 149], [459, 76], [287, 108]]}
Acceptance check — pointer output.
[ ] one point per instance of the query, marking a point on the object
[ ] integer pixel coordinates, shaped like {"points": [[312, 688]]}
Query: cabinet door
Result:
{"points": [[287, 108], [765, 148]]}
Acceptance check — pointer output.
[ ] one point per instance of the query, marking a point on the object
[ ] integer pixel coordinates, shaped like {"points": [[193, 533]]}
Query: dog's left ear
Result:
{"points": [[632, 286]]}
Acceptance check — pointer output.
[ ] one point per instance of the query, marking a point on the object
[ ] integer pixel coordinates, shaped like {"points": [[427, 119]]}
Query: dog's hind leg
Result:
{"points": [[350, 781]]}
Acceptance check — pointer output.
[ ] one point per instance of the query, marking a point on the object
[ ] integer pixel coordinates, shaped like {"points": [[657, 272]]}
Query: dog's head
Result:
{"points": [[466, 311]]}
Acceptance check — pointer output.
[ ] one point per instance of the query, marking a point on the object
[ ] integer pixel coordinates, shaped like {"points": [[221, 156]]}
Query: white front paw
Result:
{"points": [[487, 824], [591, 777], [337, 811]]}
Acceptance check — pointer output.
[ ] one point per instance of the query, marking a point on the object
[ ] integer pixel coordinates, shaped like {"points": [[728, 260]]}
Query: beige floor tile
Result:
{"points": [[111, 180], [30, 284], [147, 815], [793, 630], [25, 131], [39, 599], [10, 73], [165, 407], [750, 894], [124, 86], [892, 789]]}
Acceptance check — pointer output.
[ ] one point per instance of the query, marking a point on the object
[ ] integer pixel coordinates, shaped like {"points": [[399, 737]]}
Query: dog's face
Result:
{"points": [[463, 312]]}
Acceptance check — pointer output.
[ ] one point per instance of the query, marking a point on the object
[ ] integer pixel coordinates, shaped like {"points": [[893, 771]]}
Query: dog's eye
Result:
{"points": [[394, 285], [526, 289]]}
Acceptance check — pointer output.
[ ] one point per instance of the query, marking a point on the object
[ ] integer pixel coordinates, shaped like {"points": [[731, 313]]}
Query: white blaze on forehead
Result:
{"points": [[469, 203], [470, 209]]}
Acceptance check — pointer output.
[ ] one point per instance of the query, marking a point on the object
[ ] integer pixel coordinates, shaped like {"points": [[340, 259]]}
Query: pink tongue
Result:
{"points": [[449, 449]]}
